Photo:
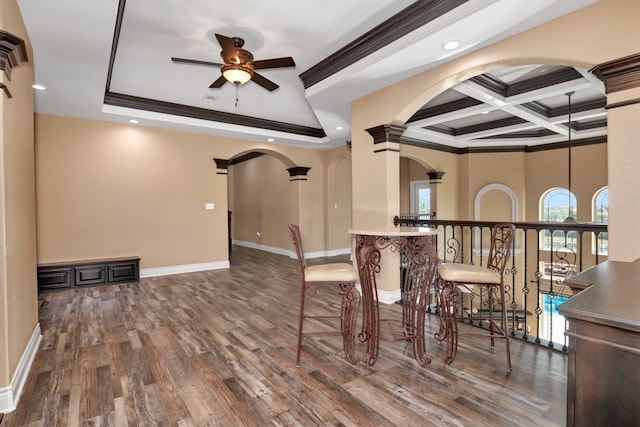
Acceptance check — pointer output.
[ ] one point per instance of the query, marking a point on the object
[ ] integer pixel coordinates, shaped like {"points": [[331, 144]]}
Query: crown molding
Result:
{"points": [[146, 104], [619, 74], [409, 19], [13, 52]]}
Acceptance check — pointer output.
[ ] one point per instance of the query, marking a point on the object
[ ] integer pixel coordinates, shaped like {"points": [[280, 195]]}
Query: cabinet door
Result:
{"points": [[91, 275], [124, 272], [54, 278]]}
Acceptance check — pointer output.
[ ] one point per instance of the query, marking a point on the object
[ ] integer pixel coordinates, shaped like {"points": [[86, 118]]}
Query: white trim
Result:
{"points": [[413, 195], [336, 252], [290, 253], [499, 187], [186, 268], [385, 297], [9, 396], [476, 210], [265, 248]]}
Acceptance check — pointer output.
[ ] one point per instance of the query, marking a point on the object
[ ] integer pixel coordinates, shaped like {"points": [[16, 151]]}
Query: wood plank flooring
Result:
{"points": [[218, 348]]}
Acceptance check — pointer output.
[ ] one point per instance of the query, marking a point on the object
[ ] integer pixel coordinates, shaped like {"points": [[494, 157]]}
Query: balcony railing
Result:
{"points": [[544, 255]]}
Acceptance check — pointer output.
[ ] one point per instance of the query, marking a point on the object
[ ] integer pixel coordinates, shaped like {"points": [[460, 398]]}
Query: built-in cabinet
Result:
{"points": [[89, 272], [603, 384]]}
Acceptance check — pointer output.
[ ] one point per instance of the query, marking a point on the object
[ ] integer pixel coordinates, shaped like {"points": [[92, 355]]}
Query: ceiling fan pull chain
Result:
{"points": [[236, 85]]}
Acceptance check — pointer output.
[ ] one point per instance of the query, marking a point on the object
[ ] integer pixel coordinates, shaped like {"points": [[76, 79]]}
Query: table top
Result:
{"points": [[612, 300], [394, 231]]}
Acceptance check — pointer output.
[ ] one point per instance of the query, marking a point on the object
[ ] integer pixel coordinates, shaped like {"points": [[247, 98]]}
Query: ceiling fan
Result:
{"points": [[239, 66]]}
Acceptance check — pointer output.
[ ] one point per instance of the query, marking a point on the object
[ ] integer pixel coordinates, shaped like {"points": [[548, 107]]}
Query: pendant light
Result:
{"points": [[569, 218]]}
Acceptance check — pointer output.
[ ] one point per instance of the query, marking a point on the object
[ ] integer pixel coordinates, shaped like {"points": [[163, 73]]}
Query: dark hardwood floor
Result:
{"points": [[218, 348]]}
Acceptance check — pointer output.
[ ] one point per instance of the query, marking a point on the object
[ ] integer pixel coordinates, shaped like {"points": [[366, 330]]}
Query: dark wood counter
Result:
{"points": [[603, 384]]}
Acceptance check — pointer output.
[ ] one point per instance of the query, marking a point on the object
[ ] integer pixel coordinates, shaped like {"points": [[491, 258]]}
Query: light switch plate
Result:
{"points": [[209, 206]]}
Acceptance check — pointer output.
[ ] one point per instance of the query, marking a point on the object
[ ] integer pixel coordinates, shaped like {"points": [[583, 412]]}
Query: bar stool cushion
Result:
{"points": [[465, 273], [337, 272]]}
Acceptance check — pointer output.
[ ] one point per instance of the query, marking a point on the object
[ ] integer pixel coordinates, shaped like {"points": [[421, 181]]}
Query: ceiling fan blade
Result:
{"points": [[273, 63], [228, 49], [264, 82], [195, 61], [218, 83]]}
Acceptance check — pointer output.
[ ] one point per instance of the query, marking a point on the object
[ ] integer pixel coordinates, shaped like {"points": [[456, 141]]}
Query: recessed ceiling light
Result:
{"points": [[485, 112], [270, 139], [133, 121], [39, 87], [209, 98], [451, 45], [339, 128]]}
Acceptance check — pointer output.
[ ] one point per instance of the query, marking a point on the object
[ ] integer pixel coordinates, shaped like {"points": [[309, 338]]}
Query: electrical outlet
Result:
{"points": [[258, 234]]}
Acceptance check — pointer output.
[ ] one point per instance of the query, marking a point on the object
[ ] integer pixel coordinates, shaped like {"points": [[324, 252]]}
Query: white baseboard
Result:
{"points": [[290, 253], [336, 252], [385, 297], [265, 248], [10, 395], [179, 269]]}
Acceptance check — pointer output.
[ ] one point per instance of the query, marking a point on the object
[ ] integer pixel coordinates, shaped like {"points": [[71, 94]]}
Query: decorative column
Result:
{"points": [[435, 178], [376, 195], [12, 53], [298, 173], [622, 83], [299, 193], [222, 167]]}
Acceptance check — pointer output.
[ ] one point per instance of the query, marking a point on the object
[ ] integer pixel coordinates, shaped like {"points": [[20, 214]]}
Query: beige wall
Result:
{"points": [[548, 169], [18, 292], [584, 38], [261, 194], [624, 176], [107, 190], [410, 170], [266, 199], [338, 199]]}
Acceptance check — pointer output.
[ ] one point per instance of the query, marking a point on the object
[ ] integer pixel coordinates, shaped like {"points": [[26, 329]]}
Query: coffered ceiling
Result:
{"points": [[111, 60], [528, 107]]}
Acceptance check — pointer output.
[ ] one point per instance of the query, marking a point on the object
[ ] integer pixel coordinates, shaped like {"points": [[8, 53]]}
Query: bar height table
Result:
{"points": [[419, 262]]}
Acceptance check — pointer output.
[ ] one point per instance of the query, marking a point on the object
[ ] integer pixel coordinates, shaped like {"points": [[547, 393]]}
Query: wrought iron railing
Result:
{"points": [[544, 255]]}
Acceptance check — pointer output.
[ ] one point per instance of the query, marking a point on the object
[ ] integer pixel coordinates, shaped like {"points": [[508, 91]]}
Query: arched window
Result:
{"points": [[601, 215], [557, 205]]}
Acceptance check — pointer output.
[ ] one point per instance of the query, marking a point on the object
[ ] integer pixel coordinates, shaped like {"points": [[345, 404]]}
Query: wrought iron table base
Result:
{"points": [[448, 295], [419, 270]]}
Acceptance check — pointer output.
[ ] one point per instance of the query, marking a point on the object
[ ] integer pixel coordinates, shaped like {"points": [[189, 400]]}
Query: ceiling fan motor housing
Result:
{"points": [[239, 56]]}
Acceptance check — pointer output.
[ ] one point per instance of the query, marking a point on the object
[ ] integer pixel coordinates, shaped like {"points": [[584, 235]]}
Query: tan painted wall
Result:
{"points": [[548, 169], [410, 170], [446, 193], [18, 290], [263, 191], [109, 190], [624, 176], [585, 38], [339, 198], [495, 168], [261, 195]]}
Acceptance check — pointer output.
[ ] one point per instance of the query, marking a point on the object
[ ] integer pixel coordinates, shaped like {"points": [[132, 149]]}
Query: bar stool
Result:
{"points": [[455, 277], [341, 275]]}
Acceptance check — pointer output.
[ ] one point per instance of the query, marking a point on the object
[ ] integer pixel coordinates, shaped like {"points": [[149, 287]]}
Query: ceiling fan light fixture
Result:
{"points": [[237, 74]]}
